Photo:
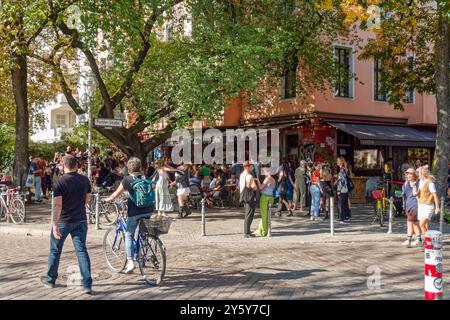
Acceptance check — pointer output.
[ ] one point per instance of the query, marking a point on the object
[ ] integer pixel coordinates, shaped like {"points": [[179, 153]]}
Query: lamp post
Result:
{"points": [[88, 91]]}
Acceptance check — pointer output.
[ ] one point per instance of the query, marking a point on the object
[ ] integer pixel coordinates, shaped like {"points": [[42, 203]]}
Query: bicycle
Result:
{"points": [[109, 211], [149, 252], [12, 205], [381, 205]]}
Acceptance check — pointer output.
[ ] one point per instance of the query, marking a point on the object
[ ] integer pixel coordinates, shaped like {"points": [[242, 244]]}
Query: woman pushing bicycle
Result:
{"points": [[135, 212]]}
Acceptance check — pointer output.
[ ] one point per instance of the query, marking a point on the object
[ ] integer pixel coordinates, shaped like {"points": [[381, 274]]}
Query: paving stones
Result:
{"points": [[299, 262]]}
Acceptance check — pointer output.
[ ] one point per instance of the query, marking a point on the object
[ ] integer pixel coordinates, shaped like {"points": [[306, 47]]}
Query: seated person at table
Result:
{"points": [[217, 188], [233, 184]]}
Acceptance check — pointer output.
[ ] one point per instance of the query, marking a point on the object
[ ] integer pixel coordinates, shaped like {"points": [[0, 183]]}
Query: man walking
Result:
{"points": [[71, 193], [247, 187], [300, 186]]}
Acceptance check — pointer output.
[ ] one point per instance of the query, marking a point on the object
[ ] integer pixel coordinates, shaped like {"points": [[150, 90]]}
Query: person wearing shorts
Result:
{"points": [[410, 189], [427, 199]]}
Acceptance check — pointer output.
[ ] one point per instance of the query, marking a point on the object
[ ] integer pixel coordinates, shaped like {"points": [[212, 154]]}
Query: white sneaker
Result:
{"points": [[406, 242], [130, 266], [313, 218]]}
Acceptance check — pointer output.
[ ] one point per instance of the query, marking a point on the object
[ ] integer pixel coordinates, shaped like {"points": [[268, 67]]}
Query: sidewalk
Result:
{"points": [[226, 225], [300, 261]]}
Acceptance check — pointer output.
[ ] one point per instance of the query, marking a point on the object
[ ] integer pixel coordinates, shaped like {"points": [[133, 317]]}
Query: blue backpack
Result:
{"points": [[143, 193]]}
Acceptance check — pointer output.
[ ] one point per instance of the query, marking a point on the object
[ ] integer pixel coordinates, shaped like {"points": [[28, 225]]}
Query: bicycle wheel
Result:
{"points": [[114, 249], [2, 213], [110, 212], [381, 215], [17, 211], [152, 260]]}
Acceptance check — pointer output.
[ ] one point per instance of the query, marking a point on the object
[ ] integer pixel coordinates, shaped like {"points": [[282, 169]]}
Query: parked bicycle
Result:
{"points": [[150, 251], [12, 205], [109, 212], [381, 206]]}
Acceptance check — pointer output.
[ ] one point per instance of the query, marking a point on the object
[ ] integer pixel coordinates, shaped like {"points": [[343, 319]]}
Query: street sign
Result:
{"points": [[109, 123]]}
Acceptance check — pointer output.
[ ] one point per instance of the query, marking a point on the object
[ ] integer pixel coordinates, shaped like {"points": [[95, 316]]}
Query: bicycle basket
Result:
{"points": [[158, 225], [378, 194]]}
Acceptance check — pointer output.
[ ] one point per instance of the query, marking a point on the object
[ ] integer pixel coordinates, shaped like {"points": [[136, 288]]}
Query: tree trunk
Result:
{"points": [[19, 86], [441, 155], [128, 144]]}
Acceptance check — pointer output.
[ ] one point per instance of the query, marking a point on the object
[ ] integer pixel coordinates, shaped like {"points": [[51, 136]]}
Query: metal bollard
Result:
{"points": [[203, 218], [391, 209], [441, 218], [332, 215], [269, 219], [97, 200], [433, 265]]}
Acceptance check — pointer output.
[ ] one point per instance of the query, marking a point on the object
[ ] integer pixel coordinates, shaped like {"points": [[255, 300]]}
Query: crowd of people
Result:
{"points": [[305, 188]]}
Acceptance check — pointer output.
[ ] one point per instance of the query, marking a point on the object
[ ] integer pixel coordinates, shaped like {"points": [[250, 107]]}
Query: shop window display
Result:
{"points": [[367, 159]]}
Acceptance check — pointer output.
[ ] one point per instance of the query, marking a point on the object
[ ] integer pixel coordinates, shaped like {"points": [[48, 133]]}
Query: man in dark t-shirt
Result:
{"points": [[71, 193], [135, 213]]}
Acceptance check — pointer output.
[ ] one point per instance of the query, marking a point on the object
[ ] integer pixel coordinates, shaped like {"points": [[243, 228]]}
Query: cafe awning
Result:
{"points": [[386, 135]]}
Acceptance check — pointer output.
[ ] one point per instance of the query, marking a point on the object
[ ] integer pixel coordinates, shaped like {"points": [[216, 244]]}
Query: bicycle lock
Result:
{"points": [[391, 209], [332, 216], [203, 217], [433, 265]]}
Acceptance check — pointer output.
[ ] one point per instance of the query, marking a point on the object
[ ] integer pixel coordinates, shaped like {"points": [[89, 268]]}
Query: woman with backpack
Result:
{"points": [[135, 212], [410, 190], [283, 192], [342, 187]]}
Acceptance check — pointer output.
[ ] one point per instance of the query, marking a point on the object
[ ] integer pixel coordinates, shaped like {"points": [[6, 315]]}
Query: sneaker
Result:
{"points": [[312, 218], [46, 283], [130, 267], [406, 243], [87, 290]]}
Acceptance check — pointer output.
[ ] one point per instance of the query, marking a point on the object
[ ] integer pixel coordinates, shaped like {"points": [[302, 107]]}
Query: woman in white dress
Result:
{"points": [[163, 200], [427, 199]]}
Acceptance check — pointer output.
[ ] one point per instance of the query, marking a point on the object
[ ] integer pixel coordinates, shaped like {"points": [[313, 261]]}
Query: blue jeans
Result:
{"points": [[37, 188], [132, 224], [315, 200], [78, 232]]}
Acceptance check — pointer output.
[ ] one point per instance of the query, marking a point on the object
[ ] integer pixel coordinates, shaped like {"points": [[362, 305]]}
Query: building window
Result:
{"points": [[379, 85], [344, 86], [60, 120], [289, 83], [409, 97]]}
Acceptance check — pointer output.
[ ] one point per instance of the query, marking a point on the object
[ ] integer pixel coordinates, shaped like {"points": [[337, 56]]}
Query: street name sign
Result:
{"points": [[109, 123]]}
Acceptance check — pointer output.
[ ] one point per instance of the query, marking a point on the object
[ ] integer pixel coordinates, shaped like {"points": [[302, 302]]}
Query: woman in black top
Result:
{"points": [[135, 213]]}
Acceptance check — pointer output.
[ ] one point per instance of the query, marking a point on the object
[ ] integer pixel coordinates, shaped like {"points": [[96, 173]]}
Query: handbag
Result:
{"points": [[30, 181], [248, 195]]}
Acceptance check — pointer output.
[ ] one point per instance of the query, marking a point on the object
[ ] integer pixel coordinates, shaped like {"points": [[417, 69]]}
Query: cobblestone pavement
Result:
{"points": [[300, 261]]}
